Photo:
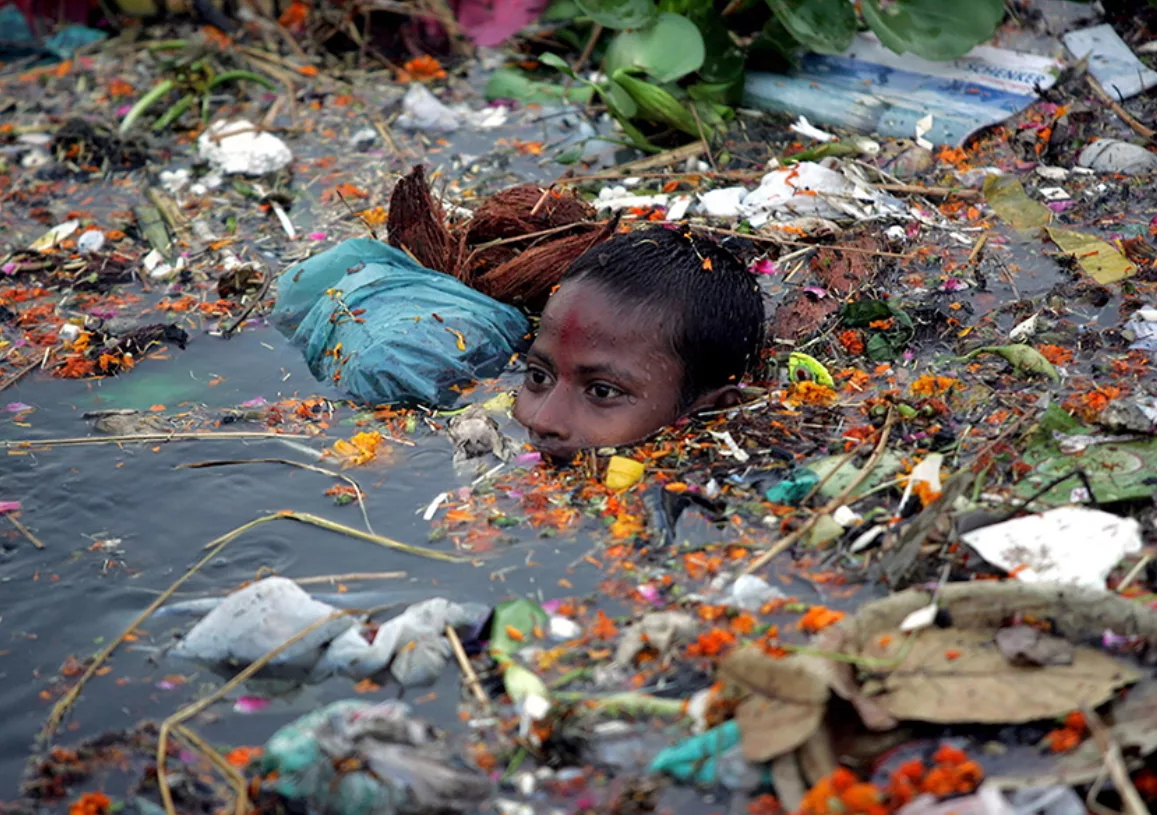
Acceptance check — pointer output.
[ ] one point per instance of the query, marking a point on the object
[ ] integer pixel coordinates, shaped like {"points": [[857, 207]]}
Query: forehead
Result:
{"points": [[583, 317]]}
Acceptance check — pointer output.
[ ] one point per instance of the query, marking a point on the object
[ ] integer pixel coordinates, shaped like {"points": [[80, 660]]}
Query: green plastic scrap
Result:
{"points": [[1024, 359], [1116, 470], [794, 487], [798, 361], [697, 759]]}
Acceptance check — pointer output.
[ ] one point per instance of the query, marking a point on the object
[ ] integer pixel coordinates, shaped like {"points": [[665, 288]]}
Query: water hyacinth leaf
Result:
{"points": [[721, 93], [824, 26], [510, 83], [656, 104], [1009, 200], [558, 63], [619, 14], [512, 626], [933, 29], [669, 50], [1102, 261]]}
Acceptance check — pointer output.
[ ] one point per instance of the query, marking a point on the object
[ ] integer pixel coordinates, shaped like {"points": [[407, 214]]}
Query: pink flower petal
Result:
{"points": [[251, 704], [254, 403], [528, 458], [18, 407], [317, 236], [818, 291], [764, 266], [9, 506], [9, 268]]}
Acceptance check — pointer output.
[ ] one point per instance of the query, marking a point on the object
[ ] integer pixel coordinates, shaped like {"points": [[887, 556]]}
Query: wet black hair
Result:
{"points": [[708, 303]]}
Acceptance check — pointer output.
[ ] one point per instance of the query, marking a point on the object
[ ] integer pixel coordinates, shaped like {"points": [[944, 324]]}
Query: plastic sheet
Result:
{"points": [[388, 330]]}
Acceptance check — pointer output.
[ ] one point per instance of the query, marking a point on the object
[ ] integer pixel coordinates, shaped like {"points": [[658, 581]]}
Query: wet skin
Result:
{"points": [[599, 375]]}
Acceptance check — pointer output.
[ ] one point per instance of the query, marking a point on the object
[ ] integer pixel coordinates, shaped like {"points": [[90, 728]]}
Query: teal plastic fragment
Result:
{"points": [[793, 488]]}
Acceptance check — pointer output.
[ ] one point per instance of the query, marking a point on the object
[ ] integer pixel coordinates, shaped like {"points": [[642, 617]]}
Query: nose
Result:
{"points": [[546, 417]]}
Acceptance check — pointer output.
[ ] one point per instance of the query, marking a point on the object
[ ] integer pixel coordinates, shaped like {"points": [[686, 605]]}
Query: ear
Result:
{"points": [[719, 399]]}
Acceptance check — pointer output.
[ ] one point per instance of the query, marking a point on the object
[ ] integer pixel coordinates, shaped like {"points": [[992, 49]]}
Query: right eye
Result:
{"points": [[537, 378]]}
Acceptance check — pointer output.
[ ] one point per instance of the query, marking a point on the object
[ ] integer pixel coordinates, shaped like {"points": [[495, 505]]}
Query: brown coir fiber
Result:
{"points": [[528, 279], [501, 250], [417, 225]]}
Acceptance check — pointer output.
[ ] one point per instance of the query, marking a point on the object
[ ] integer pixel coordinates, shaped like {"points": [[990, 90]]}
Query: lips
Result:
{"points": [[558, 453]]}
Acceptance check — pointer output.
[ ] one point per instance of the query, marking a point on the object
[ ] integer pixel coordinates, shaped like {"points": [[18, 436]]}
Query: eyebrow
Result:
{"points": [[590, 370]]}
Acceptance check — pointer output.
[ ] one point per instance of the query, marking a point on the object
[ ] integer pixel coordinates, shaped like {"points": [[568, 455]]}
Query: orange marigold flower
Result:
{"points": [[1089, 405], [929, 386], [743, 624], [950, 756], [1075, 721], [968, 776], [1055, 354], [912, 770], [817, 618], [421, 69], [852, 341], [712, 644], [860, 797], [90, 803], [1062, 740], [242, 756], [940, 782], [809, 393], [604, 627]]}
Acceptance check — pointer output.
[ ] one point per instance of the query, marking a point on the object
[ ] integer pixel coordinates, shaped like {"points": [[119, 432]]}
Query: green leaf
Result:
{"points": [[774, 49], [722, 93], [657, 104], [558, 63], [571, 154], [1007, 197], [620, 14], [521, 682], [561, 11], [933, 29], [668, 50], [520, 615], [509, 83], [825, 26]]}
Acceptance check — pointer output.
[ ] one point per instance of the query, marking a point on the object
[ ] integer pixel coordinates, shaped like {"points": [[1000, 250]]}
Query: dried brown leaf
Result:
{"points": [[960, 676], [786, 705], [1025, 645]]}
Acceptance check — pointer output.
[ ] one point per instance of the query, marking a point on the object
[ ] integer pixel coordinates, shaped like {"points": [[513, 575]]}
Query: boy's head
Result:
{"points": [[650, 326]]}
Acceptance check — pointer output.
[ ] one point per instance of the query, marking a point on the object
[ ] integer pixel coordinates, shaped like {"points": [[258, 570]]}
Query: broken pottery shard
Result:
{"points": [[1112, 156], [252, 621], [1071, 545], [1025, 645]]}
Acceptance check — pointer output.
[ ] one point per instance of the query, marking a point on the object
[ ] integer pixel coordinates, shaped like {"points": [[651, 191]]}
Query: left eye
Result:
{"points": [[603, 391]]}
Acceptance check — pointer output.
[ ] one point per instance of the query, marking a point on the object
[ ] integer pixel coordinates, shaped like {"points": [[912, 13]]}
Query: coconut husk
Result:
{"points": [[417, 225], [525, 209], [527, 279]]}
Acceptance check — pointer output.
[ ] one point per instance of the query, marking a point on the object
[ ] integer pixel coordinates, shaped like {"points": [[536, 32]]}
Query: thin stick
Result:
{"points": [[1132, 575], [389, 543], [703, 137], [266, 282], [763, 239], [197, 465], [190, 710], [1115, 106], [16, 377], [69, 699], [25, 531], [596, 32], [348, 577], [932, 192], [146, 437], [1115, 764], [468, 672], [977, 248], [239, 782], [789, 540]]}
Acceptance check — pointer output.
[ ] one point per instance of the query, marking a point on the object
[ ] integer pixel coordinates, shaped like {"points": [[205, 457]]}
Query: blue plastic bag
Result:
{"points": [[388, 330]]}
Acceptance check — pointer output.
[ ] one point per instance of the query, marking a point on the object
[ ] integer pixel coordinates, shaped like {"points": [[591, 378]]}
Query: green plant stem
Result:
{"points": [[234, 76], [174, 112], [628, 702], [157, 92]]}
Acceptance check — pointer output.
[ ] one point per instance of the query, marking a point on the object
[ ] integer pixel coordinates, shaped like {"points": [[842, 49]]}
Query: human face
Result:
{"points": [[598, 375]]}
